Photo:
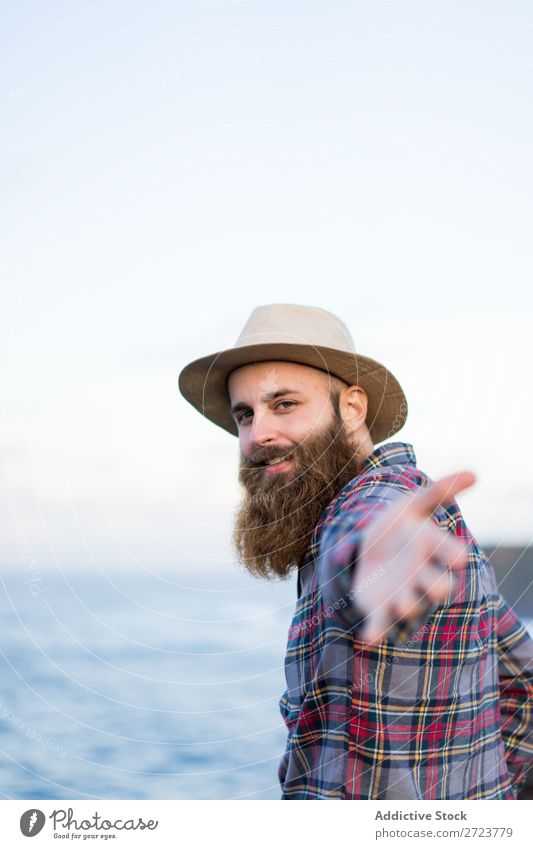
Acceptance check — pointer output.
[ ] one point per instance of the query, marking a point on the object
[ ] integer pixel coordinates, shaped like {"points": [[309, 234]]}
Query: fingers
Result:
{"points": [[436, 585], [410, 604], [376, 626], [432, 586], [443, 547], [439, 492]]}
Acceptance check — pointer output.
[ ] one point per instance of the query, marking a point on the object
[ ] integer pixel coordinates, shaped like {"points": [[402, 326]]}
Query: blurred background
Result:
{"points": [[166, 167]]}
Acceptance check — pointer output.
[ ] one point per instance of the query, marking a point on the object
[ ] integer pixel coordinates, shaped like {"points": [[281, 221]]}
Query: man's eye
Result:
{"points": [[243, 415]]}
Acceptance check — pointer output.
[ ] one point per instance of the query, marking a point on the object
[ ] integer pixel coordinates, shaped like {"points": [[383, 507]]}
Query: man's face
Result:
{"points": [[284, 413], [277, 406]]}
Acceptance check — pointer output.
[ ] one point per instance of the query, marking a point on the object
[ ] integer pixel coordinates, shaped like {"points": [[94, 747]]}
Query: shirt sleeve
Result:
{"points": [[515, 672]]}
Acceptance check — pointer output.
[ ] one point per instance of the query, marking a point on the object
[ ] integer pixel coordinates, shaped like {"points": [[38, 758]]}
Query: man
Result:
{"points": [[408, 675]]}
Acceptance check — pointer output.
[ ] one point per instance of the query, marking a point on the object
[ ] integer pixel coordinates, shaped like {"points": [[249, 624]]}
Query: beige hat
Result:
{"points": [[298, 334]]}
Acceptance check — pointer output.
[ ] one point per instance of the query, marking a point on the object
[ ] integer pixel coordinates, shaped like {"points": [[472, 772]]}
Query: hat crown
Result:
{"points": [[297, 325]]}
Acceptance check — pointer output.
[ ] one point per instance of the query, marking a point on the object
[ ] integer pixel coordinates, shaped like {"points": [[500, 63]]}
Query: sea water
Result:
{"points": [[142, 686]]}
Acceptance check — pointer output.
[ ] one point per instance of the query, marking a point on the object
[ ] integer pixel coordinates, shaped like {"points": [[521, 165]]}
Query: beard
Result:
{"points": [[275, 521]]}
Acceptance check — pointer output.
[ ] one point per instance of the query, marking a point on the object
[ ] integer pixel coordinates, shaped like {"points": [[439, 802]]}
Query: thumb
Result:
{"points": [[442, 491]]}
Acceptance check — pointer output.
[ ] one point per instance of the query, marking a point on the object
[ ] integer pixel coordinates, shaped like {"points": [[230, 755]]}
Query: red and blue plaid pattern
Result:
{"points": [[441, 711]]}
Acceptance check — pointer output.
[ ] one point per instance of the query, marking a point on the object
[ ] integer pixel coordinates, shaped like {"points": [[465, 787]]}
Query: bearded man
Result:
{"points": [[408, 675]]}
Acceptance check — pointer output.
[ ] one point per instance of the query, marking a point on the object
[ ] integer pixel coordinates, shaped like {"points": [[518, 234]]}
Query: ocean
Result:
{"points": [[134, 686], [138, 686]]}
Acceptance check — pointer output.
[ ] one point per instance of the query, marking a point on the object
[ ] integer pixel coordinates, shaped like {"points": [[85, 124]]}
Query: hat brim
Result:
{"points": [[204, 382]]}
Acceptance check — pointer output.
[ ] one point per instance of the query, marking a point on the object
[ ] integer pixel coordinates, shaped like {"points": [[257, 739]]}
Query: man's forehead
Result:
{"points": [[269, 376]]}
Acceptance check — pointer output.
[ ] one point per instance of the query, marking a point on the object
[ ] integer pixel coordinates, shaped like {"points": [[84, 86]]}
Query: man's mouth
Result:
{"points": [[278, 464]]}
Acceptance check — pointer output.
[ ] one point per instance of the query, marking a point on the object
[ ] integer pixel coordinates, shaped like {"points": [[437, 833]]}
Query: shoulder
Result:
{"points": [[384, 482], [367, 492]]}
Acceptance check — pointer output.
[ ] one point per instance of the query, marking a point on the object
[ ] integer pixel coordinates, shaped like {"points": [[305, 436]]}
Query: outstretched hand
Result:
{"points": [[406, 543]]}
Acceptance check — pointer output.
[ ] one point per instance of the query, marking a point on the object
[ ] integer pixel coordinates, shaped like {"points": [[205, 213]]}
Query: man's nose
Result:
{"points": [[263, 429]]}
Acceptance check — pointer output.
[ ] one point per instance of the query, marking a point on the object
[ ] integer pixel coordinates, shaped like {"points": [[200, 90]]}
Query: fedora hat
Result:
{"points": [[299, 334]]}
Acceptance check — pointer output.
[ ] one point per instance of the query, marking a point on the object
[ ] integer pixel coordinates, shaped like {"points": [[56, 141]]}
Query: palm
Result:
{"points": [[400, 561]]}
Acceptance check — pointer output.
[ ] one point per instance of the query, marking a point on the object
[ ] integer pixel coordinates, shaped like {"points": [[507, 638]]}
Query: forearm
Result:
{"points": [[338, 557]]}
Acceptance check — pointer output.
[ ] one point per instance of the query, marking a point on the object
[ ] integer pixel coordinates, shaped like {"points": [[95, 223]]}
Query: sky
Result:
{"points": [[166, 167]]}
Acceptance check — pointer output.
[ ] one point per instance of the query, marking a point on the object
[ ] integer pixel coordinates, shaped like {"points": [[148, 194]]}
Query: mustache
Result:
{"points": [[265, 455]]}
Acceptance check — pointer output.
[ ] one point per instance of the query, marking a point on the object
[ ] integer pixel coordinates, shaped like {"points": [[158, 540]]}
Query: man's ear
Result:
{"points": [[354, 406]]}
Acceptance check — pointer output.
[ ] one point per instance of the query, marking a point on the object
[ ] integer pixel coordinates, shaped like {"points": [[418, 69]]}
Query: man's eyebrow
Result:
{"points": [[270, 396]]}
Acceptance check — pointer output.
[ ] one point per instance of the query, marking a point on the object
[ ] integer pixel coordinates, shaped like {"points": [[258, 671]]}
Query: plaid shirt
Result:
{"points": [[445, 714]]}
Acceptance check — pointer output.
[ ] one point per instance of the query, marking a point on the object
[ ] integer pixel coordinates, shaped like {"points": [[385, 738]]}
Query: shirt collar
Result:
{"points": [[390, 454]]}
